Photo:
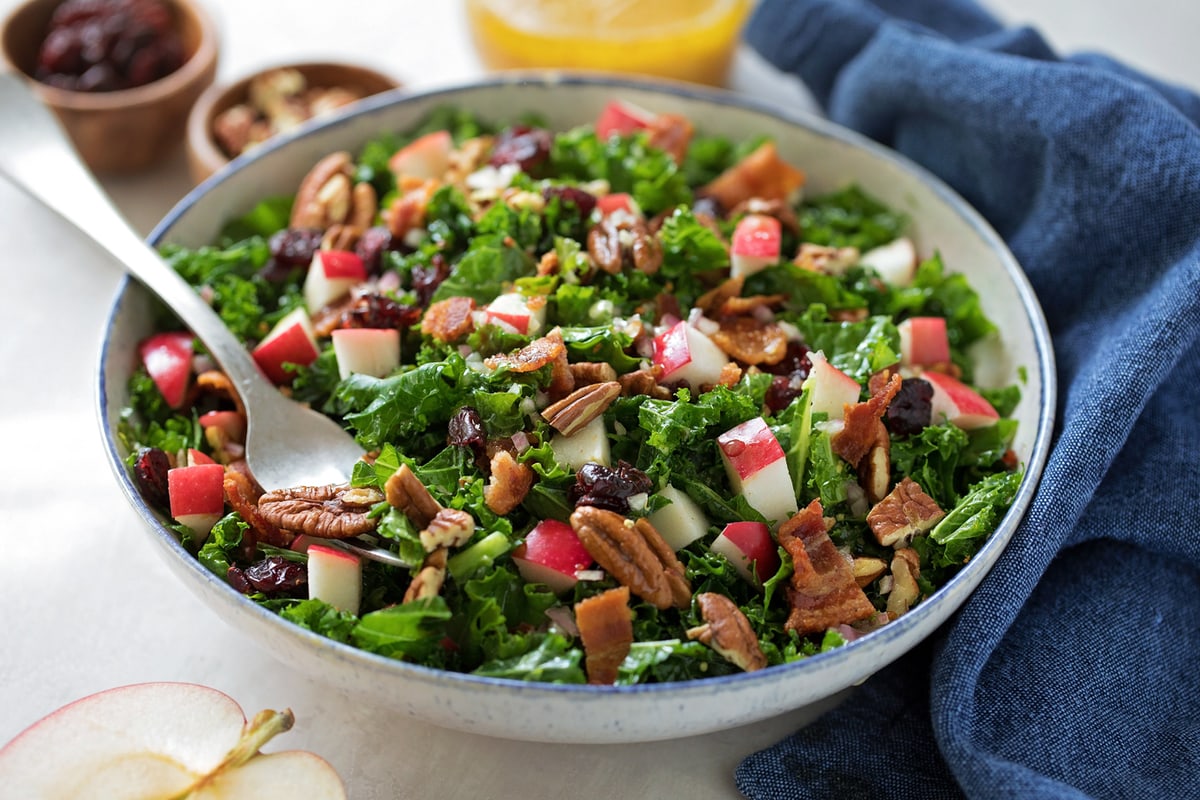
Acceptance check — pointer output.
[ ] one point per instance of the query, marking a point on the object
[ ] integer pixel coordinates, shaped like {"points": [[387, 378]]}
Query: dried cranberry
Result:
{"points": [[522, 145], [276, 575], [426, 279], [609, 488], [795, 361], [783, 390], [291, 249], [150, 473], [380, 311], [371, 247], [236, 577], [584, 202], [466, 429], [911, 409]]}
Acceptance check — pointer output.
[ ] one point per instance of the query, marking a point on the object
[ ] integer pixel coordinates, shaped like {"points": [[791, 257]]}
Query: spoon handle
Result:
{"points": [[39, 159]]}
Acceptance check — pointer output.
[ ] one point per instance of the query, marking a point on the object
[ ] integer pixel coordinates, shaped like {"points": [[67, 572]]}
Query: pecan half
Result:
{"points": [[586, 373], [615, 241], [449, 320], [634, 554], [405, 491], [727, 631], [830, 260], [328, 512], [605, 625], [906, 568], [325, 194], [644, 382], [750, 341], [427, 583], [581, 407], [450, 527], [906, 512], [531, 357], [509, 483]]}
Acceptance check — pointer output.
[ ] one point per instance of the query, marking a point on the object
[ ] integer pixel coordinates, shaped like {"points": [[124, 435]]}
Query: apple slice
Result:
{"points": [[620, 117], [291, 341], [197, 495], [425, 157], [334, 576], [517, 313], [751, 550], [757, 244], [955, 402], [895, 262], [757, 469], [366, 351], [680, 523], [923, 341], [331, 276], [588, 445], [161, 740], [831, 390], [686, 354], [168, 360], [552, 554]]}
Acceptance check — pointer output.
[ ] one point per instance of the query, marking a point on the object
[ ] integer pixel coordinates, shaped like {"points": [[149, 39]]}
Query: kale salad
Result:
{"points": [[636, 406]]}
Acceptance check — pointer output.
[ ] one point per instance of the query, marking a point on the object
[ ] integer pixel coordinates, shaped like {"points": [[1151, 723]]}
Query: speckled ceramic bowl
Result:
{"points": [[558, 713]]}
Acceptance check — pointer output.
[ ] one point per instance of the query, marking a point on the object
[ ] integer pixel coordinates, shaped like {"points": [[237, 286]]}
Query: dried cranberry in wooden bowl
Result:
{"points": [[121, 75]]}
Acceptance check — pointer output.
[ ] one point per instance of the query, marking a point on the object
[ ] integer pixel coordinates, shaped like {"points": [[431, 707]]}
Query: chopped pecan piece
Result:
{"points": [[614, 241], [427, 583], [644, 382], [341, 237], [217, 382], [906, 568], [750, 341], [634, 554], [863, 422], [405, 491], [605, 625], [906, 512], [327, 512], [875, 468], [449, 320], [822, 591], [729, 375], [727, 631], [762, 174], [548, 263], [509, 483], [830, 260], [581, 406], [867, 569], [450, 527], [532, 356], [586, 373]]}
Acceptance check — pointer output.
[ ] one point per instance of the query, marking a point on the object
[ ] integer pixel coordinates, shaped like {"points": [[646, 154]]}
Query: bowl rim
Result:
{"points": [[878, 642], [192, 70]]}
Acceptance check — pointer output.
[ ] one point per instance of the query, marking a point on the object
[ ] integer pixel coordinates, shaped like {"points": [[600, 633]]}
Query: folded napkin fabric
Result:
{"points": [[1074, 670]]}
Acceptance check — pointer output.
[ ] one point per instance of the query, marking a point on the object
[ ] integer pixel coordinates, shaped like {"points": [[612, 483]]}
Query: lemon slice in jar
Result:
{"points": [[689, 40]]}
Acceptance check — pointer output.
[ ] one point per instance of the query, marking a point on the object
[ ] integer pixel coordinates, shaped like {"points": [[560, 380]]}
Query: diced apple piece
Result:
{"points": [[617, 202], [518, 313], [757, 244], [895, 262], [197, 495], [331, 276], [757, 469], [622, 118], [291, 341], [680, 523], [195, 457], [830, 388], [366, 351], [425, 157], [552, 554], [168, 360], [960, 405], [686, 354], [334, 576], [751, 550], [923, 341], [231, 423], [589, 444]]}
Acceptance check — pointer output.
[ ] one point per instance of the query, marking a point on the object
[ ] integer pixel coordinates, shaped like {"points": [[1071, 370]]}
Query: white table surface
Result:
{"points": [[85, 601]]}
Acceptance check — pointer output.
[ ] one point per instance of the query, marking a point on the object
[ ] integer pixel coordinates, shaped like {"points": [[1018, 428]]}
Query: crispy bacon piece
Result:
{"points": [[751, 341], [242, 495], [823, 591], [531, 357], [450, 319], [672, 133], [864, 420], [762, 174], [606, 629]]}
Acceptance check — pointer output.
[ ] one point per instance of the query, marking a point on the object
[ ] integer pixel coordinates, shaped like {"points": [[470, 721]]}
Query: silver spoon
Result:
{"points": [[287, 444]]}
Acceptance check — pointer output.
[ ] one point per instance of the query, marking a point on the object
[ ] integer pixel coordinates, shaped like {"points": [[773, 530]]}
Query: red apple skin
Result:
{"points": [[168, 360], [519, 322], [427, 156], [342, 264], [551, 554], [617, 201], [671, 349], [197, 457], [750, 447], [231, 422], [927, 341], [291, 346], [618, 117], [198, 489], [746, 543], [758, 236], [962, 405]]}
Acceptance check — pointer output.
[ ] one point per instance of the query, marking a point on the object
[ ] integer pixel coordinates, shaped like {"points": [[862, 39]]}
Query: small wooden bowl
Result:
{"points": [[131, 129], [205, 155]]}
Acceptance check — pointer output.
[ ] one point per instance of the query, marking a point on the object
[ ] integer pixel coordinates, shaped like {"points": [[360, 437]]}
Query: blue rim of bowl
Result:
{"points": [[879, 640]]}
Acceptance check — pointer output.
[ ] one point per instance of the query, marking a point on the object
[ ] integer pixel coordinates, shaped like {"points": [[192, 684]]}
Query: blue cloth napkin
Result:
{"points": [[1074, 670]]}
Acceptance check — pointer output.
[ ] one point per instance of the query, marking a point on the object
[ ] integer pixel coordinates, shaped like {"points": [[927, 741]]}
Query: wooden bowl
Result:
{"points": [[205, 154], [126, 130]]}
